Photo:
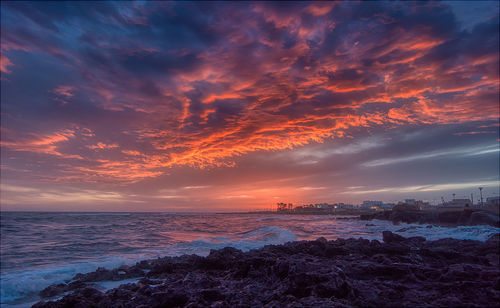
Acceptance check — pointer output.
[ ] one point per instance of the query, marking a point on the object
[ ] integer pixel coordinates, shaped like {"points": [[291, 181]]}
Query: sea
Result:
{"points": [[40, 249]]}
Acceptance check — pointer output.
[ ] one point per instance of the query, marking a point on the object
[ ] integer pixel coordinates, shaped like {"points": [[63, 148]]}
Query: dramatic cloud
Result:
{"points": [[126, 97]]}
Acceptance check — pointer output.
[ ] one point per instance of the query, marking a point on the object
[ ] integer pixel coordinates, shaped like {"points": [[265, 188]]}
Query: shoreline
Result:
{"points": [[446, 217], [396, 272], [442, 217]]}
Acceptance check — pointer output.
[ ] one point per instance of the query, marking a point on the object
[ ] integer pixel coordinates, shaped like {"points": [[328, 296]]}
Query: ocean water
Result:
{"points": [[39, 249]]}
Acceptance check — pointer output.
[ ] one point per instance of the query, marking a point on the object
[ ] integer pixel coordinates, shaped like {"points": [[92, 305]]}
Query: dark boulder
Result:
{"points": [[464, 218], [449, 217], [495, 238], [405, 216], [367, 216], [53, 290], [484, 218], [170, 299], [389, 237]]}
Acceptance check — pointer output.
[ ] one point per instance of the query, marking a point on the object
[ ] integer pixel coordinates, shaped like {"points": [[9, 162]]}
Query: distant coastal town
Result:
{"points": [[452, 213], [372, 205]]}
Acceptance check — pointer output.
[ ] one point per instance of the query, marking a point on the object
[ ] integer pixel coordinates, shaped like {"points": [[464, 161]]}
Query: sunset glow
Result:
{"points": [[177, 106]]}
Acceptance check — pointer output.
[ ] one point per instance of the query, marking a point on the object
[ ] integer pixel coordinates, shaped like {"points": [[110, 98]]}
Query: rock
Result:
{"points": [[53, 290], [405, 213], [322, 241], [211, 295], [450, 217], [389, 237], [465, 217], [427, 217], [367, 216], [170, 299], [495, 238], [405, 216], [484, 218], [398, 272]]}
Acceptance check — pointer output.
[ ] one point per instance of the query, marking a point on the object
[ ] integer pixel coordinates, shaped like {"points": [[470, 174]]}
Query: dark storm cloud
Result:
{"points": [[131, 94]]}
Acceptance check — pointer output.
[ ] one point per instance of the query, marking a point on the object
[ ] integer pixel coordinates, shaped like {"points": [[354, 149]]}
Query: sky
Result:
{"points": [[227, 106]]}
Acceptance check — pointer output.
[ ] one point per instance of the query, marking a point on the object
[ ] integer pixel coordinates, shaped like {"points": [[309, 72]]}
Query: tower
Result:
{"points": [[481, 193]]}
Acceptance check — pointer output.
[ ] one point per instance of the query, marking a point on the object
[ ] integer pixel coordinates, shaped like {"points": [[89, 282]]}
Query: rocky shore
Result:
{"points": [[466, 216], [398, 272]]}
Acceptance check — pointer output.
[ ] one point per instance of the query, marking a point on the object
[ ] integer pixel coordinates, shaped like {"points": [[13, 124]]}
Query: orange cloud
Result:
{"points": [[65, 91], [4, 64], [102, 146], [43, 144]]}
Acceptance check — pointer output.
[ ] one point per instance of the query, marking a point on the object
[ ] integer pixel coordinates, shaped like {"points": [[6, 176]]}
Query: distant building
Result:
{"points": [[418, 203], [410, 201], [322, 205], [343, 206], [461, 202], [372, 204], [458, 203], [387, 205]]}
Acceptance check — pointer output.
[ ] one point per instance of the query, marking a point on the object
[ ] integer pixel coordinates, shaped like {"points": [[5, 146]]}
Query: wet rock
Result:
{"points": [[53, 290], [367, 216], [409, 214], [405, 216], [465, 217], [211, 295], [398, 272], [450, 217], [495, 238], [484, 218], [321, 240], [76, 285], [389, 237], [170, 299]]}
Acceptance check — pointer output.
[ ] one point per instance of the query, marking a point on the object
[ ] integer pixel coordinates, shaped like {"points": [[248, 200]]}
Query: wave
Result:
{"points": [[432, 232], [253, 239], [27, 283], [95, 214], [478, 233]]}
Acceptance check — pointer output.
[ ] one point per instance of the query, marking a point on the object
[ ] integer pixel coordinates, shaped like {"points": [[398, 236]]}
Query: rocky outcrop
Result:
{"points": [[398, 272], [448, 217], [484, 218]]}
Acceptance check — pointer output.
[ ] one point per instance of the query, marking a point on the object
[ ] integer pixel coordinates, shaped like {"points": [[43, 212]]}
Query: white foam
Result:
{"points": [[27, 283], [108, 285], [430, 232]]}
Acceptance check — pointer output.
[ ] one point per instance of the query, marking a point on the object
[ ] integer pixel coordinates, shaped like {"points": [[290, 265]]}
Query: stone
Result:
{"points": [[389, 237], [398, 272], [484, 218]]}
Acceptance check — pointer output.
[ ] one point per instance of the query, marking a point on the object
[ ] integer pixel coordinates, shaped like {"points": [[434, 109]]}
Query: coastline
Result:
{"points": [[440, 216], [397, 272]]}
